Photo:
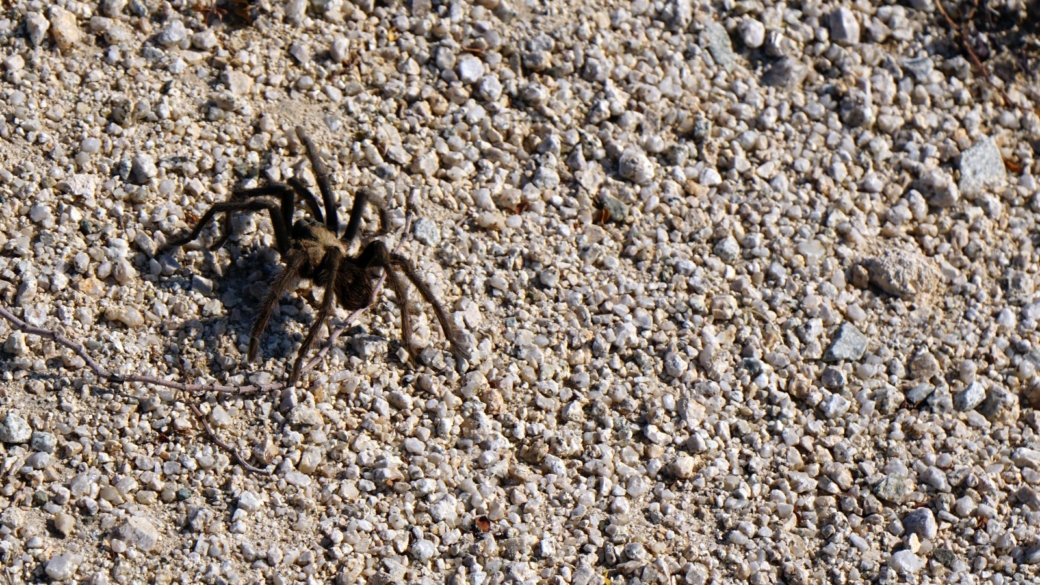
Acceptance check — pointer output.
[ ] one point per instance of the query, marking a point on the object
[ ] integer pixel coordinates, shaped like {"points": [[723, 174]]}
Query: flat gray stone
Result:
{"points": [[848, 344], [844, 27], [1025, 457], [719, 45], [982, 167], [919, 393], [787, 73], [616, 209], [919, 68], [970, 397]]}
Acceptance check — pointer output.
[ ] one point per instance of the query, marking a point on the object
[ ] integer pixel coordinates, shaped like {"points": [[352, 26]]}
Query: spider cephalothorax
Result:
{"points": [[313, 249]]}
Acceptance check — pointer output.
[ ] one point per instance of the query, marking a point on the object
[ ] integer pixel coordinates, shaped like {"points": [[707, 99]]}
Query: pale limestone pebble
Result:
{"points": [[15, 344], [635, 166], [63, 566], [205, 40], [14, 62], [173, 34], [682, 467], [129, 316], [139, 532], [491, 220], [310, 459], [340, 50], [470, 69], [905, 561], [14, 429], [249, 501], [903, 274], [297, 479], [1025, 457], [296, 11], [219, 417], [37, 26], [941, 189], [982, 169], [752, 33], [123, 271], [63, 523], [422, 550]]}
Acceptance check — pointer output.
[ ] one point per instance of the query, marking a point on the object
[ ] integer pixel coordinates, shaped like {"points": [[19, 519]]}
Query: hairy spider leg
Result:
{"points": [[401, 294], [405, 266], [326, 274], [293, 262], [321, 175], [285, 195], [281, 233], [354, 223], [376, 254], [312, 201]]}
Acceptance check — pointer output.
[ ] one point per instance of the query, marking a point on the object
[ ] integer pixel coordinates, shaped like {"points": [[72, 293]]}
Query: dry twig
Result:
{"points": [[973, 56]]}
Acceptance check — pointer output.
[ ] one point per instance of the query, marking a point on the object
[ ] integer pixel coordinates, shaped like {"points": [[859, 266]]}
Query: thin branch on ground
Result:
{"points": [[973, 56], [113, 378]]}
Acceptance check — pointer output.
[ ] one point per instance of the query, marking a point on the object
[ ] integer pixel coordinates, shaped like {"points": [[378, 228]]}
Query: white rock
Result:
{"points": [[470, 69], [249, 501], [906, 561], [238, 83], [675, 365], [36, 25], [173, 34], [422, 550], [15, 344], [128, 316], [444, 509], [139, 532], [62, 567], [635, 166], [340, 50], [752, 33], [14, 429]]}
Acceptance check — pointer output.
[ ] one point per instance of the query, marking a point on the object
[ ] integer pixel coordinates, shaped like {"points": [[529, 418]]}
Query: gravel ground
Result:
{"points": [[748, 287]]}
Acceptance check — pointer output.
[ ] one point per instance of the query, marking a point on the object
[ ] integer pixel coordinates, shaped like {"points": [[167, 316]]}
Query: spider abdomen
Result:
{"points": [[353, 286]]}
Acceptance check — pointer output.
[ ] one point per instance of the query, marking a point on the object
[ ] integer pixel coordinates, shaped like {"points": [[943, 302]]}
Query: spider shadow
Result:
{"points": [[227, 331]]}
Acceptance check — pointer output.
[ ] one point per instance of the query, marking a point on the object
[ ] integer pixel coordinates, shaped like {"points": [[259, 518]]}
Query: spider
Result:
{"points": [[312, 249]]}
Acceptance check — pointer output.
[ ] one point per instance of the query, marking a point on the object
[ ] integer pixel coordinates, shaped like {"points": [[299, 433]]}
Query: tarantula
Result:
{"points": [[312, 248]]}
